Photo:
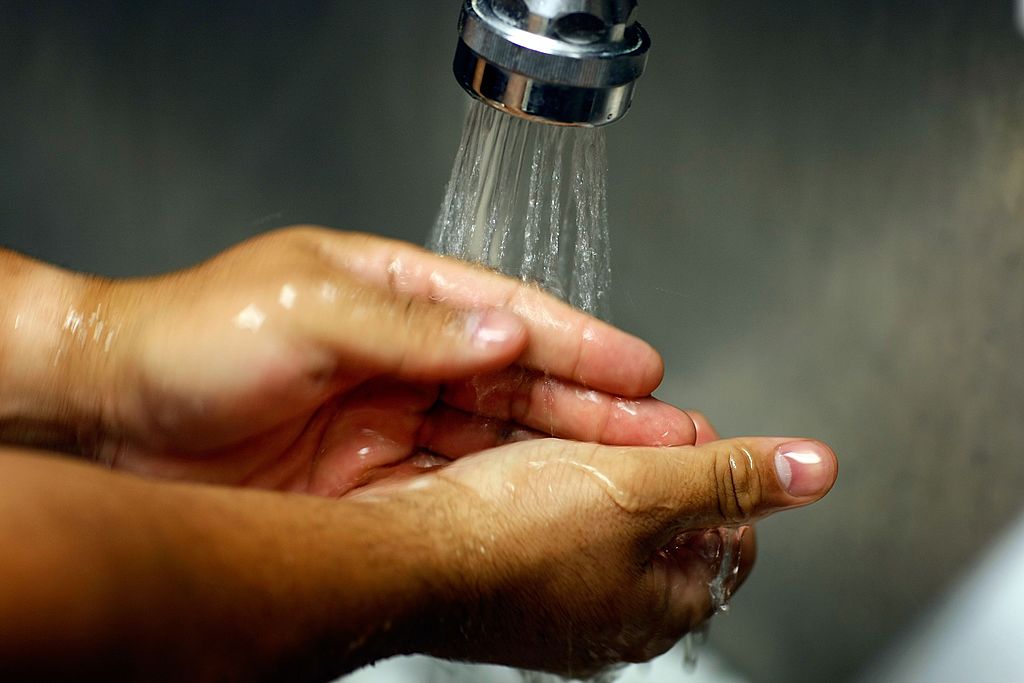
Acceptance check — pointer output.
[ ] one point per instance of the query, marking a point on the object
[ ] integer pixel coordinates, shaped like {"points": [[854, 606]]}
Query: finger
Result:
{"points": [[705, 430], [570, 411], [722, 483], [388, 332], [453, 433], [562, 341]]}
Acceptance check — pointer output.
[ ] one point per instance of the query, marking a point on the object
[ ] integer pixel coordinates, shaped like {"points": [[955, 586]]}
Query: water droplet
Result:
{"points": [[287, 296], [630, 407], [250, 318], [328, 292], [73, 321]]}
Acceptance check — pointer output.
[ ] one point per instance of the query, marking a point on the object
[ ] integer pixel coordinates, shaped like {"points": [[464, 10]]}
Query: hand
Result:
{"points": [[316, 361], [560, 556], [544, 554]]}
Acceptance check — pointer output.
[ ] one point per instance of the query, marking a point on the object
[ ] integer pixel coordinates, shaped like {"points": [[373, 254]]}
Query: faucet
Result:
{"points": [[563, 62]]}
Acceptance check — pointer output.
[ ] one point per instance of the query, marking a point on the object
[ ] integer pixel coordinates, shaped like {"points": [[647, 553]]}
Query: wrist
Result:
{"points": [[338, 584], [52, 345], [398, 594], [440, 544], [184, 582]]}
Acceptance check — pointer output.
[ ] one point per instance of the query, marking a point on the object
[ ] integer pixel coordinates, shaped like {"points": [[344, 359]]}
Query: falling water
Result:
{"points": [[529, 200], [723, 553]]}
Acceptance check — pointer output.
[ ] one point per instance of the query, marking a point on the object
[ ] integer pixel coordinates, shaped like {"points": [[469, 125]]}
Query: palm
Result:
{"points": [[327, 448], [329, 438]]}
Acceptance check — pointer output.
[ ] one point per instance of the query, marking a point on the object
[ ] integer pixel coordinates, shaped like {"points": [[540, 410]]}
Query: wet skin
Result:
{"points": [[411, 389], [288, 363]]}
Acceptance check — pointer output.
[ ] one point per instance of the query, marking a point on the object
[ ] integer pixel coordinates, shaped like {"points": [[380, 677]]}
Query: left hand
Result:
{"points": [[568, 557], [316, 361]]}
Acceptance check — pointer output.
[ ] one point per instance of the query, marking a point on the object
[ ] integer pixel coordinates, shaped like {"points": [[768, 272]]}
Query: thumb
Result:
{"points": [[730, 482], [414, 338]]}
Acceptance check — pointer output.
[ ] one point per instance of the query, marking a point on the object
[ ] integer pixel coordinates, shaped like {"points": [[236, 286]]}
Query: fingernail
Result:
{"points": [[804, 468], [493, 327]]}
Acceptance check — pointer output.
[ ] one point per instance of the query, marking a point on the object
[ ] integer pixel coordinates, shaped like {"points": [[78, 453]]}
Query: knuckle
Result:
{"points": [[428, 329], [395, 293], [302, 234], [301, 241], [738, 483], [433, 318]]}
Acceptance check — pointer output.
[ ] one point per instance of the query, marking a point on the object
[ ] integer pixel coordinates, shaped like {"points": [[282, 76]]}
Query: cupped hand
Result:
{"points": [[570, 557], [316, 361]]}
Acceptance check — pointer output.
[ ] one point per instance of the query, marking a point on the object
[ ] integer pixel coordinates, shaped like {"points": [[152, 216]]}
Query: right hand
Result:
{"points": [[312, 360], [551, 555]]}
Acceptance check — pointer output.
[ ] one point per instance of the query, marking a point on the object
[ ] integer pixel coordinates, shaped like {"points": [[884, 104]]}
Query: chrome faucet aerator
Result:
{"points": [[566, 62]]}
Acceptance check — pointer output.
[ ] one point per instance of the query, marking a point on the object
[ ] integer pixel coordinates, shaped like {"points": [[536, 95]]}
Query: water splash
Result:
{"points": [[721, 550], [728, 561], [608, 676], [693, 643]]}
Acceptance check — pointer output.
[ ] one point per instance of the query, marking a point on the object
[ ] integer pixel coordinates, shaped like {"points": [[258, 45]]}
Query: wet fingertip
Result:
{"points": [[655, 372], [703, 429], [493, 329], [678, 428], [642, 368], [684, 432], [805, 468]]}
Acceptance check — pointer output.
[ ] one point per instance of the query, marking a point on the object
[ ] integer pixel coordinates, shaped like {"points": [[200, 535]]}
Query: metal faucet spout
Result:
{"points": [[566, 62]]}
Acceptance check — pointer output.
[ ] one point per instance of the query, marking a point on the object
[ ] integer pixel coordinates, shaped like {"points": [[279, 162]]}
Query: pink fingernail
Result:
{"points": [[805, 468], [493, 327]]}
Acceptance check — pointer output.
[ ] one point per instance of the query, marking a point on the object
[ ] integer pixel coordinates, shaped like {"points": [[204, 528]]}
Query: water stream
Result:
{"points": [[529, 200]]}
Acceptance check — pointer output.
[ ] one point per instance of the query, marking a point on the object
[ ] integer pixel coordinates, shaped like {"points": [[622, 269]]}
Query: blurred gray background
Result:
{"points": [[817, 215]]}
